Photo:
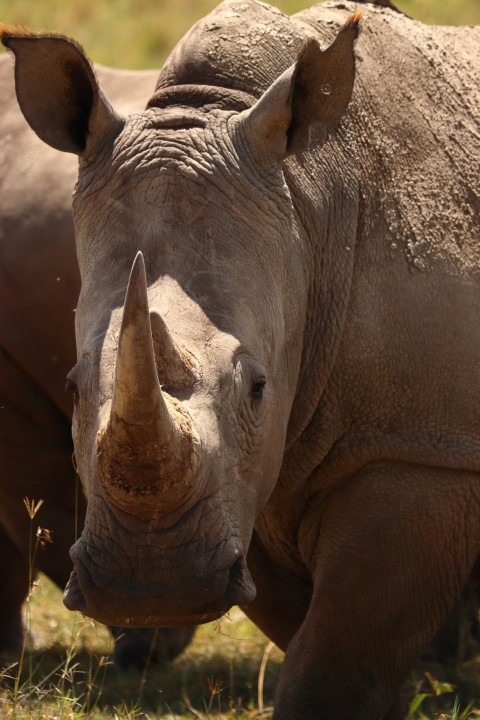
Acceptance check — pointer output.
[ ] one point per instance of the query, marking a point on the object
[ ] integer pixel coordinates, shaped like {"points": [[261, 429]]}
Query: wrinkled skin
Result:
{"points": [[38, 294], [281, 411]]}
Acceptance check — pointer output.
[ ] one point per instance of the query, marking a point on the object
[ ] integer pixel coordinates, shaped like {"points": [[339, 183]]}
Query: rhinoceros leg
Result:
{"points": [[34, 454], [389, 554], [459, 635], [14, 587], [282, 599]]}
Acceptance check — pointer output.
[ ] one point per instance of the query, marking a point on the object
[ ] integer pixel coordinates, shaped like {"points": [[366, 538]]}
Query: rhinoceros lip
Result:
{"points": [[74, 599], [83, 594]]}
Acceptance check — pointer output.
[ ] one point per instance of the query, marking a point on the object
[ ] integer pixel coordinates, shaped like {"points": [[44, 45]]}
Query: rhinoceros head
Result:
{"points": [[190, 321]]}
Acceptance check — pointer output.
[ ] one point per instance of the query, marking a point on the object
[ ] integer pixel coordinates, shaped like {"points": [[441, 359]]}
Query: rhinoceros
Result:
{"points": [[278, 350], [39, 288]]}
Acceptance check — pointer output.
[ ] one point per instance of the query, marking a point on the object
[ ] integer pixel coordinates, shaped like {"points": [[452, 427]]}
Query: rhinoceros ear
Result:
{"points": [[315, 90], [58, 92]]}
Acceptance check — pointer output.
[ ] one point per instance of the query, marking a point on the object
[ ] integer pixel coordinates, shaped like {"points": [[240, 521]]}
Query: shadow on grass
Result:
{"points": [[218, 673], [204, 686], [193, 682]]}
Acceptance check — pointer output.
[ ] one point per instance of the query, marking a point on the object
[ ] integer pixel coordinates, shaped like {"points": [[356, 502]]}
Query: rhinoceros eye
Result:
{"points": [[72, 388], [258, 389], [250, 381]]}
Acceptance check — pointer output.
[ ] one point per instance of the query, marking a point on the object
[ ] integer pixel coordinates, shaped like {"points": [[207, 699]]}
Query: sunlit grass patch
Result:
{"points": [[68, 671], [68, 675]]}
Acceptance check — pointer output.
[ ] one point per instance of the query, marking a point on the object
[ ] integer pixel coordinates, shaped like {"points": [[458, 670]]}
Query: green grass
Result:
{"points": [[139, 33], [67, 675], [67, 671]]}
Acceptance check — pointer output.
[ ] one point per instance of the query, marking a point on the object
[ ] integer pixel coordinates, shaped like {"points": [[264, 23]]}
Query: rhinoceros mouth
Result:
{"points": [[104, 609], [184, 603]]}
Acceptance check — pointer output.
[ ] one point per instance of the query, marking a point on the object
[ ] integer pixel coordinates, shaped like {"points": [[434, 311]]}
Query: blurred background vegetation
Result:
{"points": [[140, 33]]}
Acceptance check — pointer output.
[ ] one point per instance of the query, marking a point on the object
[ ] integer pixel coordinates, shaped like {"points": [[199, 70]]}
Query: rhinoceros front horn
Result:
{"points": [[148, 448]]}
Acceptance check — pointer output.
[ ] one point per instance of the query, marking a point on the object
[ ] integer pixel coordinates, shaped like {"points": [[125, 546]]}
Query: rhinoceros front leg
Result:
{"points": [[13, 590], [389, 553]]}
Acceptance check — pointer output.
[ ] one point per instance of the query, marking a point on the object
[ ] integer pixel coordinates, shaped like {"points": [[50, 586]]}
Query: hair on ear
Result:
{"points": [[12, 32], [354, 22]]}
